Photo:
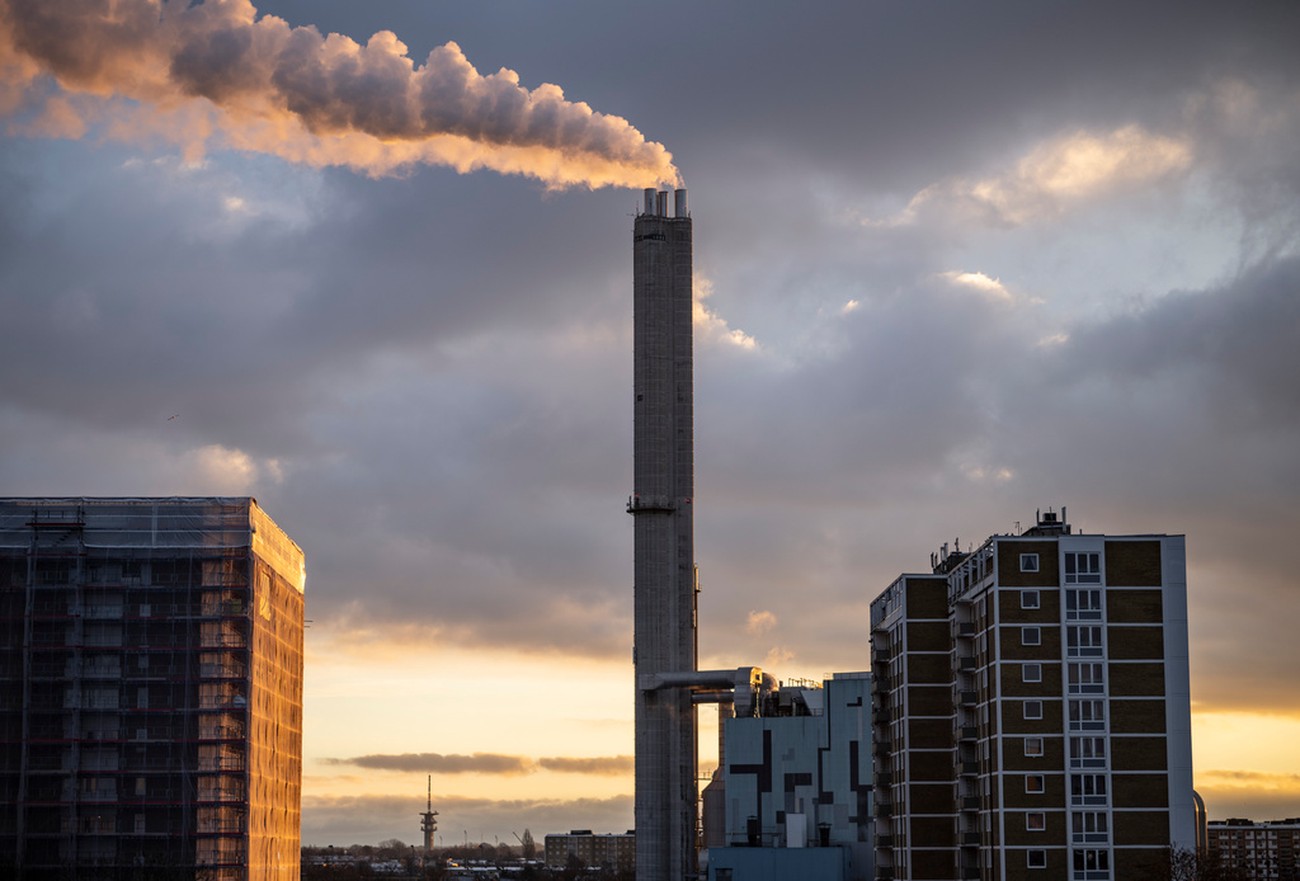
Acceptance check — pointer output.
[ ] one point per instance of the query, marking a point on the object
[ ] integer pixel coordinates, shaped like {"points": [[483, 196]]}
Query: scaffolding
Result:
{"points": [[151, 673]]}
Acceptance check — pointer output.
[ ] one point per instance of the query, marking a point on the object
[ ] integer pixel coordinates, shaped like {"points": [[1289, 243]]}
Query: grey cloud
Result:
{"points": [[602, 765], [491, 763], [478, 763]]}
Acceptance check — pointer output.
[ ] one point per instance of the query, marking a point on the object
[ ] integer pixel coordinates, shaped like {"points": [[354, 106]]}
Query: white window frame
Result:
{"points": [[1029, 562], [1083, 604], [1042, 784], [1088, 714], [1029, 599], [1087, 677], [1089, 789], [1100, 859], [1031, 636], [1031, 672], [1033, 747], [1089, 827], [1028, 708], [1084, 641], [1087, 752], [1082, 567], [1035, 859], [1040, 825]]}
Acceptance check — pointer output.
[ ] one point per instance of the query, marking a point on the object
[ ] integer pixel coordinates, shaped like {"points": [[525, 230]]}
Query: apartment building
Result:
{"points": [[1031, 711], [151, 671], [609, 850], [1257, 851]]}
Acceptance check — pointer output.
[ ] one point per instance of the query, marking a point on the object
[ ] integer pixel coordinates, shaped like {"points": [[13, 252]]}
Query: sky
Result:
{"points": [[370, 263]]}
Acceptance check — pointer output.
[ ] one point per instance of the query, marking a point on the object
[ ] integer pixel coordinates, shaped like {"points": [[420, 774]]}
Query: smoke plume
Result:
{"points": [[216, 73]]}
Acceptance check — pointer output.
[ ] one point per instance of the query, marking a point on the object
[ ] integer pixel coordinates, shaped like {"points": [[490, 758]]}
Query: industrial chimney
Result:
{"points": [[664, 584]]}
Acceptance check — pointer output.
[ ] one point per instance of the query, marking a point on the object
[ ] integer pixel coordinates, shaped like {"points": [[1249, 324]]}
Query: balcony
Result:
{"points": [[968, 698], [966, 663], [970, 803], [968, 732], [968, 769]]}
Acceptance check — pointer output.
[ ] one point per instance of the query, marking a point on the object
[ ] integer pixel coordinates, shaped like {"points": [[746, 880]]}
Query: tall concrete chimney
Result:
{"points": [[664, 586]]}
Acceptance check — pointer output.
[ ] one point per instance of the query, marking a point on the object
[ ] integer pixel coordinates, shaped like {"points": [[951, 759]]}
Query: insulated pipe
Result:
{"points": [[721, 696], [746, 677]]}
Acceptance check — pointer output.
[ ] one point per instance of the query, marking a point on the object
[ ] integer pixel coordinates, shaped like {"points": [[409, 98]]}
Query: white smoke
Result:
{"points": [[218, 73]]}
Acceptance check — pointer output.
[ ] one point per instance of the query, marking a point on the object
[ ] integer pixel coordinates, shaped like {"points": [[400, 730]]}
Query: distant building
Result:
{"points": [[796, 786], [1260, 851], [607, 851], [151, 669], [1032, 712]]}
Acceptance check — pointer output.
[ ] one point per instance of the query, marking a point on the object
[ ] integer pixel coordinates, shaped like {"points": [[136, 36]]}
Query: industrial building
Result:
{"points": [[795, 786], [151, 672], [1031, 711]]}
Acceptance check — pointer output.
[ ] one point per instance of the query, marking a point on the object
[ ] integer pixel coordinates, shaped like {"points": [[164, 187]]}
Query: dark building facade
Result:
{"points": [[1031, 710], [151, 675]]}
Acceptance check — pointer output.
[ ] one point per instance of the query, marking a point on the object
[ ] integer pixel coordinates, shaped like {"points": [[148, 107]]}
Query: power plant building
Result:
{"points": [[796, 784], [151, 672], [1032, 711]]}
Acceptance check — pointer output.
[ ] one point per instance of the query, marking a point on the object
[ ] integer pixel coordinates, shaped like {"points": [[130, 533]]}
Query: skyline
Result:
{"points": [[949, 270]]}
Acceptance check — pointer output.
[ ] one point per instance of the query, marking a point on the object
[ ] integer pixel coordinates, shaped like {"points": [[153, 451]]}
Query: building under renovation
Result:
{"points": [[151, 670]]}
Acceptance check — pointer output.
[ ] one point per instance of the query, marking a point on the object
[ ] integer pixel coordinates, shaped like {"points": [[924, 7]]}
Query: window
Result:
{"points": [[1092, 864], [1083, 641], [1083, 568], [1029, 599], [1033, 709], [1035, 821], [1087, 752], [1083, 604], [1031, 672], [1036, 859], [1033, 783], [1033, 746], [1086, 679], [1089, 827], [1029, 562], [1031, 636], [1088, 789], [1087, 715]]}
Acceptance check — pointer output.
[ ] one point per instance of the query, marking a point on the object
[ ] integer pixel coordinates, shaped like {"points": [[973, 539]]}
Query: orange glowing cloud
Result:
{"points": [[217, 73]]}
